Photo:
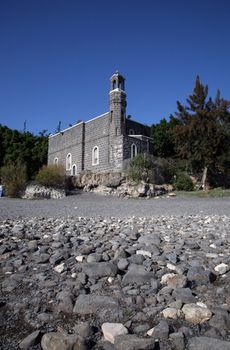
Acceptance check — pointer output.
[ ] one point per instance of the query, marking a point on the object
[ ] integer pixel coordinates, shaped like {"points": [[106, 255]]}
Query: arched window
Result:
{"points": [[74, 170], [95, 156], [133, 150], [114, 84], [131, 132], [68, 161], [56, 161]]}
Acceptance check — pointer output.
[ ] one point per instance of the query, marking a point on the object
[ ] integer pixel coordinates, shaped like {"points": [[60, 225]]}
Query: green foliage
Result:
{"points": [[13, 178], [24, 148], [151, 169], [183, 182], [163, 137], [139, 168], [51, 175]]}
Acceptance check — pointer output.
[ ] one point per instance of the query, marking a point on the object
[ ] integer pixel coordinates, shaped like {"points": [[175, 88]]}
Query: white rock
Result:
{"points": [[221, 268], [165, 278], [144, 253], [172, 194], [171, 267], [60, 268], [111, 330], [212, 246], [196, 314], [212, 255], [110, 279], [170, 312], [199, 303], [150, 332], [80, 258], [174, 268]]}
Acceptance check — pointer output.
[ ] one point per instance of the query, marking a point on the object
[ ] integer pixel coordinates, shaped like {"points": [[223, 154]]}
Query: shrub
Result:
{"points": [[51, 175], [139, 168], [14, 178], [183, 182], [151, 169]]}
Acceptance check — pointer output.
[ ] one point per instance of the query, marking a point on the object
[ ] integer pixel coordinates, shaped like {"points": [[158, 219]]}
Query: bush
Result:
{"points": [[151, 169], [182, 182], [51, 175], [14, 178], [139, 168]]}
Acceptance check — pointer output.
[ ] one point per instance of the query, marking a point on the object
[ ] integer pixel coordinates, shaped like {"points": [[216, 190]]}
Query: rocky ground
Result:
{"points": [[109, 283]]}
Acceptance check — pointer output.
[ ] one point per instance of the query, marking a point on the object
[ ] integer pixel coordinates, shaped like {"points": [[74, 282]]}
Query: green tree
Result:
{"points": [[163, 137], [203, 133]]}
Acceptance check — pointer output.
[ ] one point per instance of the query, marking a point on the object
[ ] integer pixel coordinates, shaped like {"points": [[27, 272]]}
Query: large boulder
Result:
{"points": [[61, 341], [105, 308], [196, 314]]}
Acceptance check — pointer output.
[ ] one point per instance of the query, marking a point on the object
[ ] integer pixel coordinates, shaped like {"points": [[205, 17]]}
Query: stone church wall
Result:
{"points": [[142, 146], [67, 141], [97, 135]]}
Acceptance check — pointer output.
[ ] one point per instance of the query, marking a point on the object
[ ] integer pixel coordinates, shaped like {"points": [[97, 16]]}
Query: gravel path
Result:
{"points": [[92, 205]]}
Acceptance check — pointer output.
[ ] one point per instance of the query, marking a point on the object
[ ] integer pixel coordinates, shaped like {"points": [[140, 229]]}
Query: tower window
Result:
{"points": [[68, 161], [95, 156], [133, 151], [114, 84], [131, 132], [56, 161], [111, 116], [122, 116]]}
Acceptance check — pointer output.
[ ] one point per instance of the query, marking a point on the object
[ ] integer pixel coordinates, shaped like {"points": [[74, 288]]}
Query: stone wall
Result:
{"points": [[142, 146], [67, 141], [97, 134]]}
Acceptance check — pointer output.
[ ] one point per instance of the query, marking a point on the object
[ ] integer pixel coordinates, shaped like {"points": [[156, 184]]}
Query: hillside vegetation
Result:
{"points": [[23, 148]]}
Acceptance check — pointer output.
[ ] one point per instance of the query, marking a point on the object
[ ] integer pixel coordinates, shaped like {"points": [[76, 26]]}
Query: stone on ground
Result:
{"points": [[196, 314], [206, 343], [111, 330]]}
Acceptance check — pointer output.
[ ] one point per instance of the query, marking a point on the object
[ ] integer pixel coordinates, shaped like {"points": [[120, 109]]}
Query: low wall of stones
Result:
{"points": [[33, 191]]}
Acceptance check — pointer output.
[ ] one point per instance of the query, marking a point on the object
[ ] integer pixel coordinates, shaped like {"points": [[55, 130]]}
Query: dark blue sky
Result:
{"points": [[56, 57]]}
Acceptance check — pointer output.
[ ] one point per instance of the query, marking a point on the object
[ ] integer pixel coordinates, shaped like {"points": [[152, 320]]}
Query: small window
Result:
{"points": [[56, 161], [122, 116], [95, 156], [133, 151], [114, 84], [74, 170], [68, 161], [131, 132]]}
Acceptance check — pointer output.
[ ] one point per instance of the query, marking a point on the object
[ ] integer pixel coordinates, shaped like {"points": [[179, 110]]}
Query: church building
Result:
{"points": [[104, 143]]}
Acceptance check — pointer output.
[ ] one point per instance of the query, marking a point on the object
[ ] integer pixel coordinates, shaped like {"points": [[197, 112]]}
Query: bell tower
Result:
{"points": [[117, 104]]}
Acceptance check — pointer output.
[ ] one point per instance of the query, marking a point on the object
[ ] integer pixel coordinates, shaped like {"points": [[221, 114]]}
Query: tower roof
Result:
{"points": [[117, 74]]}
